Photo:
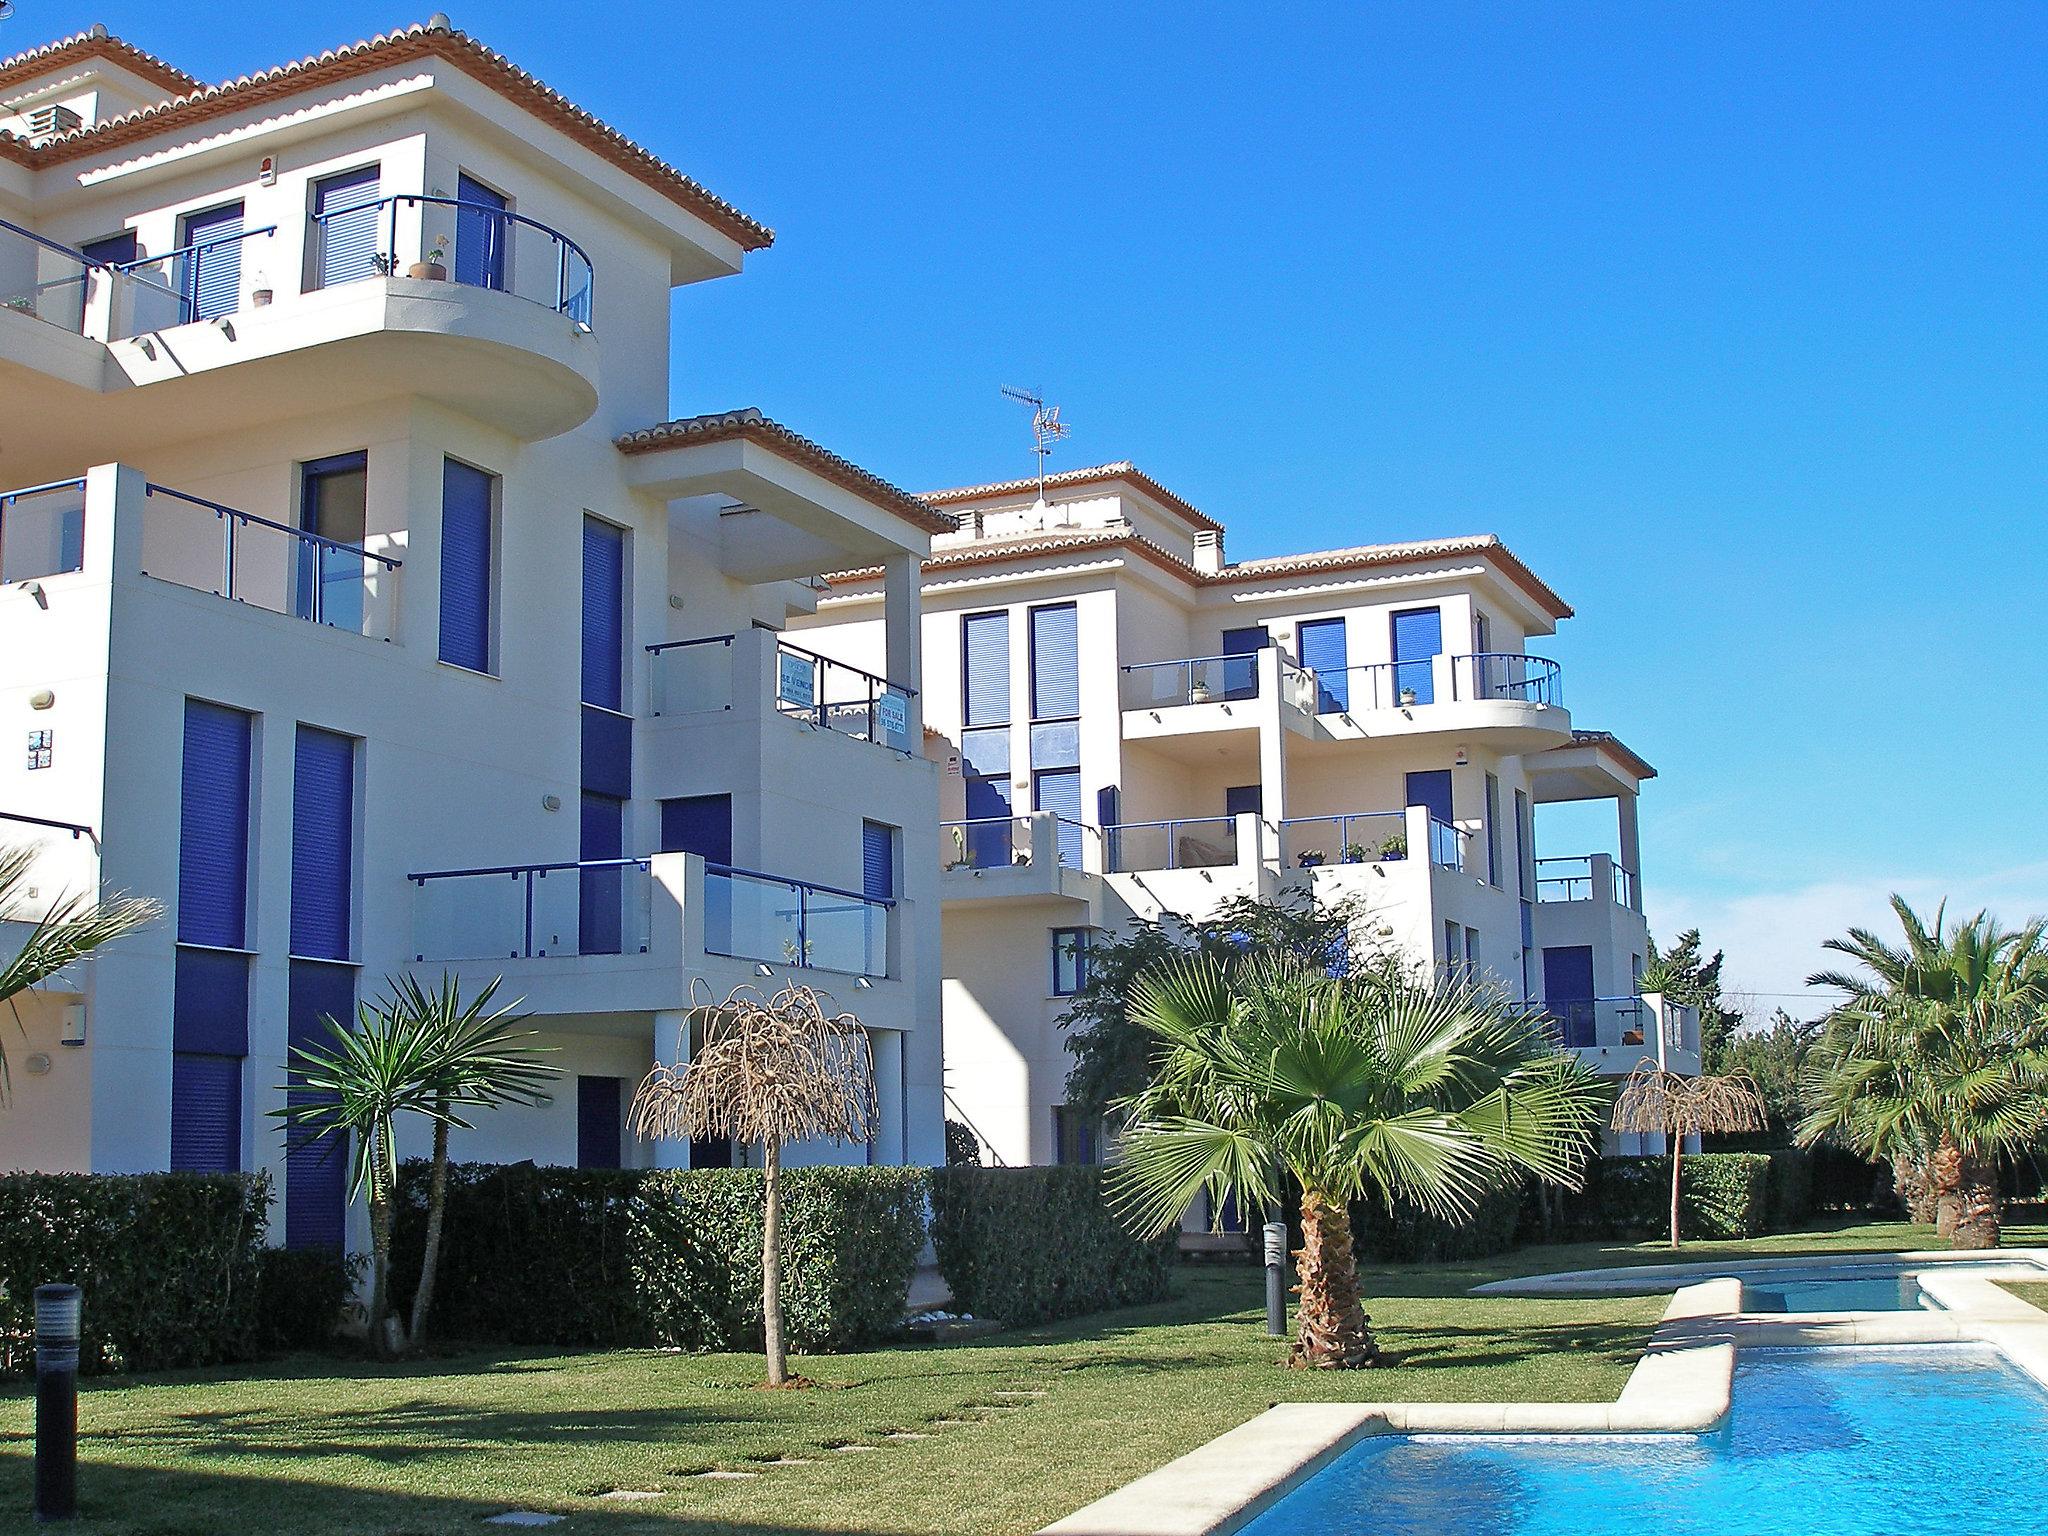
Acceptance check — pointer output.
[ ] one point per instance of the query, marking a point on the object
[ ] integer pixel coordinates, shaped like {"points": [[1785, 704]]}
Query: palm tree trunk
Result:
{"points": [[1677, 1157], [1945, 1182], [771, 1266], [380, 1249], [1333, 1328], [430, 1250], [1978, 1216], [1912, 1184]]}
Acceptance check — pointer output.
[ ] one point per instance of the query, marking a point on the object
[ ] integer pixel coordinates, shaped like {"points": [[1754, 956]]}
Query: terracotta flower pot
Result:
{"points": [[432, 271]]}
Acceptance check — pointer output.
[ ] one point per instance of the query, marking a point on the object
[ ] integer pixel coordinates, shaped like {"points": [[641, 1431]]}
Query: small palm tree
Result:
{"points": [[1655, 1102], [64, 932], [423, 1053], [767, 1070], [1375, 1086]]}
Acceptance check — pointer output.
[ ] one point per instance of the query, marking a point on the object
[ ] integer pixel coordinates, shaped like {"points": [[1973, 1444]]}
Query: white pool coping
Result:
{"points": [[1655, 1277], [1682, 1384]]}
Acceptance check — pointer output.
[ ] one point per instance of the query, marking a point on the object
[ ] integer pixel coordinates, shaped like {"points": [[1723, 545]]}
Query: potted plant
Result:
{"points": [[1407, 697], [1354, 853], [434, 268], [262, 293], [1394, 849], [1198, 693], [1309, 858]]}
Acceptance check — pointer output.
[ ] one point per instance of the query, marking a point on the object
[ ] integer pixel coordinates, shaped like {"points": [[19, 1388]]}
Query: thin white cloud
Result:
{"points": [[1773, 938]]}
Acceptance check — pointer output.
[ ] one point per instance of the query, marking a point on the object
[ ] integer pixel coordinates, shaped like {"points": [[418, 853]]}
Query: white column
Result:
{"points": [[1272, 745], [672, 1048], [903, 634], [1631, 848]]}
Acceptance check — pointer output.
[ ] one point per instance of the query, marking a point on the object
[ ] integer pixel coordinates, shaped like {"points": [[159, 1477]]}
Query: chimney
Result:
{"points": [[1209, 551]]}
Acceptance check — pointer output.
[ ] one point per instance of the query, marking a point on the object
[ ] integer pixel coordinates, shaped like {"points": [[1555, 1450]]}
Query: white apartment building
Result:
{"points": [[360, 601], [1134, 728]]}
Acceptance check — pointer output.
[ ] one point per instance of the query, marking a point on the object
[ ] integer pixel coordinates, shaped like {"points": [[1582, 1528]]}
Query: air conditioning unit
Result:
{"points": [[48, 122]]}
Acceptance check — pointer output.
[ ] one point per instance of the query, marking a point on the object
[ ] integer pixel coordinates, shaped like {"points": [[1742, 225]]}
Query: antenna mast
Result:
{"points": [[1046, 426]]}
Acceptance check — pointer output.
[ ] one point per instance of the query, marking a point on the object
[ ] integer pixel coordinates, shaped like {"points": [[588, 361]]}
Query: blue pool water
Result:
{"points": [[1909, 1440], [1850, 1288]]}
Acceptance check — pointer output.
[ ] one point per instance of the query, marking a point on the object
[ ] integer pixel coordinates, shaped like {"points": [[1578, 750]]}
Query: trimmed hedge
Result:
{"points": [[1791, 1188], [1721, 1195], [1409, 1235], [1031, 1244], [170, 1264], [303, 1297], [623, 1257]]}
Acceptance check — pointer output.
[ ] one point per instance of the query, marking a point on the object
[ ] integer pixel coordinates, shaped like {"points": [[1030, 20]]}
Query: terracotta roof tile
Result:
{"points": [[97, 43], [1094, 474], [1607, 741], [417, 42], [688, 431]]}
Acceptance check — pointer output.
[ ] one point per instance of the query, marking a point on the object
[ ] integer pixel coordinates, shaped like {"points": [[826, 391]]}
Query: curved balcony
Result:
{"points": [[1517, 698]]}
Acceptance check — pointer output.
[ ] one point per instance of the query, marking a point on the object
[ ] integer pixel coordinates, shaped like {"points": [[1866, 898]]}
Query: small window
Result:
{"points": [[1074, 1136], [469, 500], [349, 228], [1069, 960]]}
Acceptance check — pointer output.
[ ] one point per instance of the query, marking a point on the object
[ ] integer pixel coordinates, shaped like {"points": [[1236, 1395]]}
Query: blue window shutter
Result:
{"points": [[210, 1002], [607, 752], [1431, 788], [206, 1113], [1241, 799], [877, 860], [600, 928], [1055, 662], [315, 1172], [604, 614], [1568, 991], [213, 826], [112, 251], [700, 824], [599, 1115], [1241, 678], [323, 843], [1324, 652], [985, 667], [1059, 790], [466, 496], [480, 234], [1418, 638], [352, 225], [212, 279]]}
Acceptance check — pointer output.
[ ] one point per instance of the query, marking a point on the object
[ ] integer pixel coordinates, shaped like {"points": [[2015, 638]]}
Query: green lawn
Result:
{"points": [[315, 1447]]}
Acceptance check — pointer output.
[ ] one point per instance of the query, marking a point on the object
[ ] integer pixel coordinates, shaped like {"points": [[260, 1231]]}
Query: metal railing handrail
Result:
{"points": [[77, 829], [38, 490], [798, 885], [844, 666], [674, 645], [52, 245], [563, 297], [196, 248], [322, 540], [422, 876], [1187, 661]]}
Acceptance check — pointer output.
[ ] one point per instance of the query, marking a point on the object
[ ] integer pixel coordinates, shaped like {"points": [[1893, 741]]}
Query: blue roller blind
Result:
{"points": [[604, 614], [206, 1113], [113, 250], [1418, 637], [352, 226], [481, 231], [607, 752], [877, 860], [599, 1117], [1059, 790], [985, 668], [600, 911], [1055, 662], [323, 843], [1324, 652], [210, 1002], [700, 824], [1241, 678], [1431, 788], [211, 280], [466, 497], [314, 1171], [213, 826], [1240, 799]]}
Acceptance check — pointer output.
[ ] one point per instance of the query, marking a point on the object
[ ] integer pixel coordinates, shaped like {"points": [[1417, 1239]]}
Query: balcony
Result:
{"points": [[1036, 856], [705, 675], [1587, 877], [1200, 842], [1517, 698], [64, 864], [1168, 702], [1614, 1035]]}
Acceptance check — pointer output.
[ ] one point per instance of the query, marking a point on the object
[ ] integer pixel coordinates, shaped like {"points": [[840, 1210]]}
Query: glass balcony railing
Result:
{"points": [[1001, 842], [692, 676], [1447, 844], [1584, 1023], [1577, 878], [1359, 837], [201, 281], [532, 911], [1432, 679], [1192, 680], [478, 244], [42, 531], [249, 559], [775, 920], [836, 697], [43, 280], [1206, 842]]}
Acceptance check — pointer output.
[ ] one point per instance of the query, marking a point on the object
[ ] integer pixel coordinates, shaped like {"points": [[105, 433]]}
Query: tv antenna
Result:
{"points": [[1046, 426]]}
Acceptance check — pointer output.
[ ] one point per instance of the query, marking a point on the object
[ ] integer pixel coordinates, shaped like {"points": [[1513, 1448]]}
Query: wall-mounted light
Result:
{"points": [[37, 1064], [42, 698], [863, 984], [35, 590], [762, 968], [551, 802]]}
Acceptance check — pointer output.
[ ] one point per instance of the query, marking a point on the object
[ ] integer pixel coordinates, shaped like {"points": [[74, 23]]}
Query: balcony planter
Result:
{"points": [[1309, 858], [1199, 694], [1407, 697], [1393, 850], [432, 271], [1354, 853]]}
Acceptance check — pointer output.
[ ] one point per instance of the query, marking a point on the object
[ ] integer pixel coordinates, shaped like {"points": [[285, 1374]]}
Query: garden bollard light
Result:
{"points": [[1276, 1279], [57, 1322]]}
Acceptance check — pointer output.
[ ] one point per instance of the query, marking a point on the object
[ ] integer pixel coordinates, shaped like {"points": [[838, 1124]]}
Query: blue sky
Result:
{"points": [[1729, 319]]}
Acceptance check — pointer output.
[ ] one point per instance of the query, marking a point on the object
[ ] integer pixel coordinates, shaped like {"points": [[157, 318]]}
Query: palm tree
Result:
{"points": [[767, 1070], [1656, 1102], [1931, 1062], [424, 1053], [1365, 1087], [67, 930]]}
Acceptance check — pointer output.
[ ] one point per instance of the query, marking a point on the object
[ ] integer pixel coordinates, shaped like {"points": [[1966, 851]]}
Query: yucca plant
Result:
{"points": [[1378, 1087]]}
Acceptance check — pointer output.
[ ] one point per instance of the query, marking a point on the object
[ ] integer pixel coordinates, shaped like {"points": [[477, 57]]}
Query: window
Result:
{"points": [[1472, 955], [600, 1121], [1431, 789], [1244, 800], [985, 669], [1241, 671], [601, 893], [1074, 1137], [1055, 662], [1525, 847], [1492, 831], [314, 1174], [482, 234], [604, 614], [1482, 645], [877, 861], [700, 824], [323, 844], [1323, 651], [1418, 638], [1454, 957], [334, 502], [469, 499], [209, 1044], [1070, 960], [210, 979], [213, 826], [209, 270], [349, 226], [1568, 991]]}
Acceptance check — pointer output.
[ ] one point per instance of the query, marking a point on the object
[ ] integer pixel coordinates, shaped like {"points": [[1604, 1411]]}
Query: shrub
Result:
{"points": [[302, 1296], [1721, 1195], [1409, 1235], [1791, 1188], [643, 1256], [1030, 1244], [963, 1147], [170, 1264]]}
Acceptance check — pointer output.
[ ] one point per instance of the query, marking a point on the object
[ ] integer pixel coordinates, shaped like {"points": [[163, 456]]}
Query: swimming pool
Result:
{"points": [[1906, 1440], [1859, 1287]]}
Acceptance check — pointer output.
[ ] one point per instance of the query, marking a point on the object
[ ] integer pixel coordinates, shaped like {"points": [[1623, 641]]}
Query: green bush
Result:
{"points": [[643, 1256], [302, 1295], [1721, 1195], [1030, 1244], [1791, 1188], [1724, 1195], [1410, 1235], [170, 1264]]}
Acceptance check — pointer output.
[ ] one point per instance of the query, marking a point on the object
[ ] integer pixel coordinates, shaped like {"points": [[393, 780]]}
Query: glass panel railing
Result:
{"points": [[43, 280], [692, 676], [779, 921], [985, 842], [478, 244], [249, 559], [1583, 1023], [1208, 842], [1358, 837], [42, 531], [1507, 675], [532, 911], [1193, 680], [837, 697], [205, 280], [1447, 844], [1564, 879]]}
